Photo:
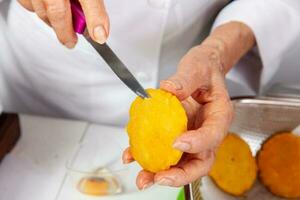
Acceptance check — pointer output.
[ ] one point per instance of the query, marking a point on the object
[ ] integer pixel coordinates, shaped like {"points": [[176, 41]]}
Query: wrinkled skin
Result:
{"points": [[57, 14], [199, 84]]}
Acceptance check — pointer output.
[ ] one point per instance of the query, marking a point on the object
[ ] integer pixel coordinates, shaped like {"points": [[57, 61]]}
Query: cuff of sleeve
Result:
{"points": [[275, 24]]}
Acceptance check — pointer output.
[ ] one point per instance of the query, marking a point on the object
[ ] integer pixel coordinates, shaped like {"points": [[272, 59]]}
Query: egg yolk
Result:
{"points": [[94, 186]]}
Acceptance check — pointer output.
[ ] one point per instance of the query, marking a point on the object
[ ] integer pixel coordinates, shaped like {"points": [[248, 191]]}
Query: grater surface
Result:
{"points": [[254, 120]]}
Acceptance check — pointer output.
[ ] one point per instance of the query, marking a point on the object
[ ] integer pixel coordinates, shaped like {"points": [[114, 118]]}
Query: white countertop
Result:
{"points": [[36, 168]]}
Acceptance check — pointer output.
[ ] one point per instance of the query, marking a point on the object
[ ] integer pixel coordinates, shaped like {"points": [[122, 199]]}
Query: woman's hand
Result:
{"points": [[199, 84], [57, 14]]}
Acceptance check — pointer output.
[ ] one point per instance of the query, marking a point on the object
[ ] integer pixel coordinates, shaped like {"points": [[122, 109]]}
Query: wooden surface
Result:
{"points": [[9, 133]]}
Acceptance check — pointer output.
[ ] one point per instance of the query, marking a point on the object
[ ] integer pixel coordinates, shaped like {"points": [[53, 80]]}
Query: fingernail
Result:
{"points": [[165, 181], [183, 146], [147, 185], [127, 161], [176, 84], [100, 34], [70, 45]]}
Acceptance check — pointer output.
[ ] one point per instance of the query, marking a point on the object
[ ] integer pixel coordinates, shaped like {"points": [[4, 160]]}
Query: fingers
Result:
{"points": [[97, 19], [191, 108], [56, 13], [60, 18], [193, 73], [217, 115], [40, 9], [144, 180], [211, 133], [187, 173], [26, 4], [127, 157]]}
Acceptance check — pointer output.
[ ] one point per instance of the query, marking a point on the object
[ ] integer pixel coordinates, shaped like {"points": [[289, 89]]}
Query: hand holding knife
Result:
{"points": [[79, 24]]}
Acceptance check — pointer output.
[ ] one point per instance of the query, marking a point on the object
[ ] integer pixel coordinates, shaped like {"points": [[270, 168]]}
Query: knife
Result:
{"points": [[117, 66]]}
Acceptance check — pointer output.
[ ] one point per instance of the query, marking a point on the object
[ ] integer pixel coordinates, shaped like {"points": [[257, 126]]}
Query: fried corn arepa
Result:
{"points": [[234, 170], [153, 126], [279, 165]]}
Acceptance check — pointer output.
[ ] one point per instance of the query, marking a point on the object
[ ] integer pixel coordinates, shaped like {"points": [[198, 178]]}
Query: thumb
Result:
{"points": [[178, 86], [186, 81], [97, 19], [193, 73]]}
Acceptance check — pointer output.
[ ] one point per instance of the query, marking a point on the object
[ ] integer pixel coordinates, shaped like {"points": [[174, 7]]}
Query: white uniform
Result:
{"points": [[41, 76]]}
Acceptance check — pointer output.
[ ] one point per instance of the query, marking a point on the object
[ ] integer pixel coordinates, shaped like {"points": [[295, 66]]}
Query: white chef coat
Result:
{"points": [[41, 76]]}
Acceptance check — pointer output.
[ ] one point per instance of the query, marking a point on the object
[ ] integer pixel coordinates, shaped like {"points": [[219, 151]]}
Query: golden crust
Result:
{"points": [[234, 170], [153, 126], [279, 165]]}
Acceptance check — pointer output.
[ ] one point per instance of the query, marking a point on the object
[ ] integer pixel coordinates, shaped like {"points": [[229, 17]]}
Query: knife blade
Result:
{"points": [[106, 53], [118, 68]]}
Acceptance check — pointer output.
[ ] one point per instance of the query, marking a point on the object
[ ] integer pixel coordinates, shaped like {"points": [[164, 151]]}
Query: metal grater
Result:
{"points": [[255, 120], [196, 190]]}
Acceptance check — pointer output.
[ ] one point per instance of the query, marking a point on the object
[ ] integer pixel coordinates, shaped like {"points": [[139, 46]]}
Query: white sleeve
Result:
{"points": [[1, 58], [1, 109], [275, 24]]}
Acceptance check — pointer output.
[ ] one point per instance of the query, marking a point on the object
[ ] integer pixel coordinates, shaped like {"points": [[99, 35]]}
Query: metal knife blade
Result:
{"points": [[118, 68], [79, 25]]}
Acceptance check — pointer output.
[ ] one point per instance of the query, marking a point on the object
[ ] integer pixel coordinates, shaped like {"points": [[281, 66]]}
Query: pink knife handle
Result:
{"points": [[79, 22]]}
